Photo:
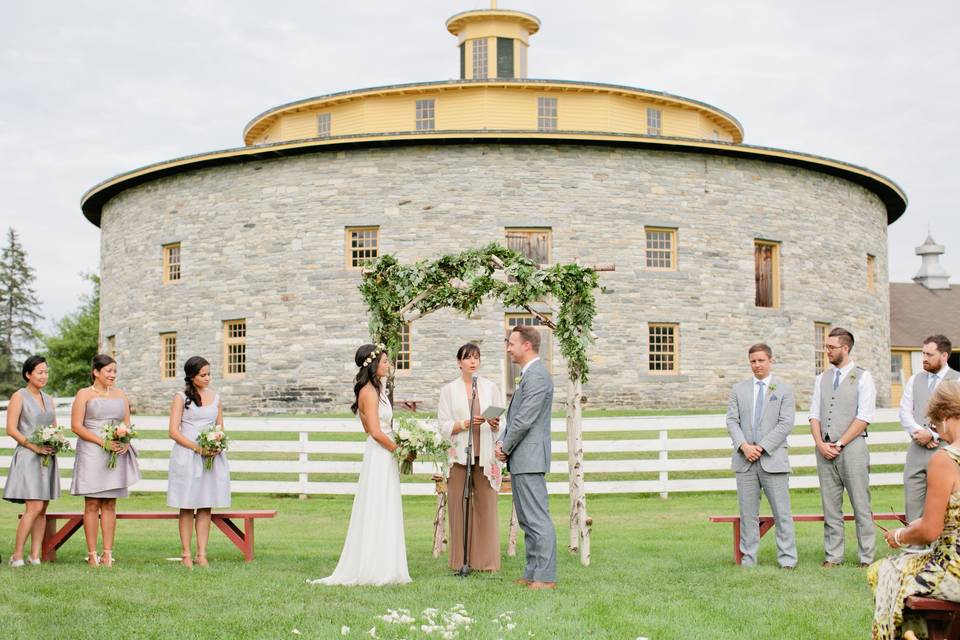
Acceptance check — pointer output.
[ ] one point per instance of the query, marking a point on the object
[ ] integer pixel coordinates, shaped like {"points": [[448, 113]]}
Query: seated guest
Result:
{"points": [[936, 572]]}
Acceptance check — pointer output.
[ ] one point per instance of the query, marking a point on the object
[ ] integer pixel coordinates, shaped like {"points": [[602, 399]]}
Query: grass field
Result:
{"points": [[659, 570]]}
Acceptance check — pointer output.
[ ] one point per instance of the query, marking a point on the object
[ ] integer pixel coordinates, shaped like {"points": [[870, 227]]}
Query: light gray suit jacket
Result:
{"points": [[776, 422], [526, 439]]}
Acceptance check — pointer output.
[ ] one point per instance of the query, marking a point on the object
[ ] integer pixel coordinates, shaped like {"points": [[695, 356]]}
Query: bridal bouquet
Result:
{"points": [[116, 432], [53, 437], [213, 439], [414, 438]]}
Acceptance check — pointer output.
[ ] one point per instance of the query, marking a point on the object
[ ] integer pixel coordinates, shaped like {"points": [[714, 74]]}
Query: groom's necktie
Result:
{"points": [[932, 382], [836, 380], [757, 409]]}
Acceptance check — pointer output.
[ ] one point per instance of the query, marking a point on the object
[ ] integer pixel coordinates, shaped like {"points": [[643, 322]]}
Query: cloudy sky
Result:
{"points": [[93, 88]]}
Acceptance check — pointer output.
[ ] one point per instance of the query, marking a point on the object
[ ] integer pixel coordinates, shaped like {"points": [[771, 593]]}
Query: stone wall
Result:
{"points": [[264, 241]]}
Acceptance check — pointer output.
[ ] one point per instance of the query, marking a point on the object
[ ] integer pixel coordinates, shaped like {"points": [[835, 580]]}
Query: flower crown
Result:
{"points": [[377, 350]]}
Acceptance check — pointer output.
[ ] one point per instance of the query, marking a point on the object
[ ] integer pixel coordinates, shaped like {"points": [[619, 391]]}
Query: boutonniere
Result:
{"points": [[852, 376], [773, 387], [517, 380]]}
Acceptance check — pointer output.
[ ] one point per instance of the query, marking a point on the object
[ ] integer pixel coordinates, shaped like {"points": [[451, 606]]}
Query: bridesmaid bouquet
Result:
{"points": [[116, 432], [53, 437], [213, 439], [413, 438]]}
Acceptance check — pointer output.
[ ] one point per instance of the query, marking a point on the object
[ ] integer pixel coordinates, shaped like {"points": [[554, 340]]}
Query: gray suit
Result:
{"points": [[526, 441], [771, 472], [918, 456]]}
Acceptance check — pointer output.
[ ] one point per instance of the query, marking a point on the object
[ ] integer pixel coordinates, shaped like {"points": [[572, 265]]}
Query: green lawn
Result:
{"points": [[659, 570]]}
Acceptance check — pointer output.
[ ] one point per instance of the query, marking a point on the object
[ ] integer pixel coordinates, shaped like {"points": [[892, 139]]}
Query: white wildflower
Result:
{"points": [[295, 632], [344, 630]]}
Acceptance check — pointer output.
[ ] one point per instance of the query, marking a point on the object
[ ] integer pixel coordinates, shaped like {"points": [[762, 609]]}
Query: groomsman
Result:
{"points": [[913, 417], [843, 404], [760, 415]]}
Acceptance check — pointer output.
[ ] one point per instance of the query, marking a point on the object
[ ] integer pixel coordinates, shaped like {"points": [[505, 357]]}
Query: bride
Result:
{"points": [[374, 552]]}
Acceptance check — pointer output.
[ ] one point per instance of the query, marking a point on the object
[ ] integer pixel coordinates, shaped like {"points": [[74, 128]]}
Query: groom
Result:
{"points": [[525, 446]]}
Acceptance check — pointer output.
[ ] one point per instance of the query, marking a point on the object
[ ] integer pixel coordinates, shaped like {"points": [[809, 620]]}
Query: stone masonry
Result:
{"points": [[264, 240]]}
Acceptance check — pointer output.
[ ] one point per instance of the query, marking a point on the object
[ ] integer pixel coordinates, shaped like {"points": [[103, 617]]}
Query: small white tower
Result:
{"points": [[932, 274]]}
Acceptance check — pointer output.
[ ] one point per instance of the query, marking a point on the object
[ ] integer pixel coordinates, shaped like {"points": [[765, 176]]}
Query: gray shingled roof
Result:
{"points": [[917, 312]]}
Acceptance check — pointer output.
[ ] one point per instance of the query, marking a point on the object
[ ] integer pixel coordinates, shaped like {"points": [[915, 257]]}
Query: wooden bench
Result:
{"points": [[943, 618], [409, 405], [766, 523], [54, 538]]}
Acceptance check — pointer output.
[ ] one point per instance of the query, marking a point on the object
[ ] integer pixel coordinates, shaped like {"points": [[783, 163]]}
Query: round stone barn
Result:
{"points": [[251, 256]]}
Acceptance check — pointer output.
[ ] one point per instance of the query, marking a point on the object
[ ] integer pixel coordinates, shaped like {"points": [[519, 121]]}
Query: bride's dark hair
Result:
{"points": [[366, 373]]}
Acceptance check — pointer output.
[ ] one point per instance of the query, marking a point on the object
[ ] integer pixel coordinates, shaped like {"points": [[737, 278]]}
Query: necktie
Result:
{"points": [[757, 409], [932, 381], [836, 380]]}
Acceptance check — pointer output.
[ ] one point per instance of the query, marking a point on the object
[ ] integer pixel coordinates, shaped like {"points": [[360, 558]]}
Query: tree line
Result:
{"points": [[68, 349]]}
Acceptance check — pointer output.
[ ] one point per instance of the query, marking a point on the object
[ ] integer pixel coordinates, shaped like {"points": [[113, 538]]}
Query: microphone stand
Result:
{"points": [[465, 569]]}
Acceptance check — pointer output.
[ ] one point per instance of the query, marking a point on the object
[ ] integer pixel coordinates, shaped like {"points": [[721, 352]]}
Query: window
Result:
{"points": [[505, 58], [426, 115], [547, 114], [653, 121], [533, 244], [664, 349], [546, 345], [871, 273], [323, 125], [363, 245], [168, 356], [112, 346], [766, 258], [404, 359], [820, 331], [171, 262], [235, 347], [480, 58], [661, 249]]}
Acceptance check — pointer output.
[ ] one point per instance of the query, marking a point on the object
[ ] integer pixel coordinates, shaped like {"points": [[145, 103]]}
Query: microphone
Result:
{"points": [[474, 382]]}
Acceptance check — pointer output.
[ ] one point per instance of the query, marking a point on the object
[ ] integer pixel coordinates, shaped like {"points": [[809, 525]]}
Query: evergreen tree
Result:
{"points": [[18, 312], [70, 349]]}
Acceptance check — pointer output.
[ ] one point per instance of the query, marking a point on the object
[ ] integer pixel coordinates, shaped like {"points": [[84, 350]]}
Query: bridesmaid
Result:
{"points": [[453, 414], [189, 485], [29, 481], [93, 408]]}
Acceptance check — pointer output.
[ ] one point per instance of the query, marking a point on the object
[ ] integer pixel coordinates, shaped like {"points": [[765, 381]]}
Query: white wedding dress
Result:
{"points": [[374, 552]]}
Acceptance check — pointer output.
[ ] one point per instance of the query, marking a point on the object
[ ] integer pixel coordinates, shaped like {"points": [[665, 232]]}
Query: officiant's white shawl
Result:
{"points": [[454, 406]]}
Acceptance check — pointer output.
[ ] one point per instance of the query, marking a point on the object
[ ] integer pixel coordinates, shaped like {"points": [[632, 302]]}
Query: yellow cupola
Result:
{"points": [[493, 42]]}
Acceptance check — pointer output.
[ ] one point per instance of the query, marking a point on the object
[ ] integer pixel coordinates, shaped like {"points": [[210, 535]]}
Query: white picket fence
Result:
{"points": [[310, 455]]}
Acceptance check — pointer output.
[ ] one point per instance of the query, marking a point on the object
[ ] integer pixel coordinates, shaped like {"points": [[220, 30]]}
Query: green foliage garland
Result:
{"points": [[463, 281]]}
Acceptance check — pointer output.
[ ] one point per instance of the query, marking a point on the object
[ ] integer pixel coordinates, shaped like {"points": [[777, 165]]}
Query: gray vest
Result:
{"points": [[921, 394], [839, 408]]}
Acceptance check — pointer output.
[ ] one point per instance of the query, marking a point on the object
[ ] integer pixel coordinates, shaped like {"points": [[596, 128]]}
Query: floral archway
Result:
{"points": [[397, 294]]}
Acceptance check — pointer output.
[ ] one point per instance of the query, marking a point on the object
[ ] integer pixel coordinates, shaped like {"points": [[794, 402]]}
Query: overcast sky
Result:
{"points": [[90, 89]]}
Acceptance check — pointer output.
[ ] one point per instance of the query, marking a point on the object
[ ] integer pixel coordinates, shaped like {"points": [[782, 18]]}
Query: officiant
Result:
{"points": [[453, 413]]}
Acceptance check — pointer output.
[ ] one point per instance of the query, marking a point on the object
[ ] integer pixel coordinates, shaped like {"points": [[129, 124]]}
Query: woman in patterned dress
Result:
{"points": [[934, 573]]}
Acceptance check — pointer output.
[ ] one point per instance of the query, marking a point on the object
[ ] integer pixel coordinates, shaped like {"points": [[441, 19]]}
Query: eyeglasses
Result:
{"points": [[833, 348]]}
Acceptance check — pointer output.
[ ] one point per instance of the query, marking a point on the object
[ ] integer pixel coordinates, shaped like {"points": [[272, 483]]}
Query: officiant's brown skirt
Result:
{"points": [[484, 537]]}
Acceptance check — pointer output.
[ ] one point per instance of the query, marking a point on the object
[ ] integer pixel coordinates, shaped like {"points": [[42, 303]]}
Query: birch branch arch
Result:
{"points": [[397, 294]]}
